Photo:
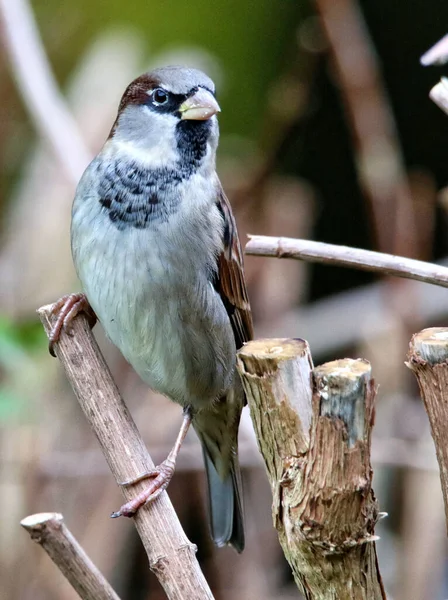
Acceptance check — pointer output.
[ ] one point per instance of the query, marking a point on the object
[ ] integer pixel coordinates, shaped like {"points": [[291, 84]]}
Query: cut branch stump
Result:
{"points": [[50, 531], [428, 358], [313, 428]]}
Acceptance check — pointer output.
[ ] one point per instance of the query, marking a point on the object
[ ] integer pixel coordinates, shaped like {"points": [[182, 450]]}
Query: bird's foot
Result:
{"points": [[160, 476], [66, 309]]}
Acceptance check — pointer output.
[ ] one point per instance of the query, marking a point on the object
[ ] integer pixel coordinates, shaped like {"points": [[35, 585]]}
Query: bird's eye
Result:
{"points": [[159, 96]]}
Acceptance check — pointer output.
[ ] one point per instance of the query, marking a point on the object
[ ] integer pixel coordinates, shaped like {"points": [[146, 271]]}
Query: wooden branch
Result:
{"points": [[171, 555], [439, 94], [344, 256], [313, 429], [437, 54], [49, 530], [38, 87], [428, 358]]}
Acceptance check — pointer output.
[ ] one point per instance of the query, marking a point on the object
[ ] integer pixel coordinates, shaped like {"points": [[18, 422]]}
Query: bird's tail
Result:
{"points": [[217, 429], [225, 504]]}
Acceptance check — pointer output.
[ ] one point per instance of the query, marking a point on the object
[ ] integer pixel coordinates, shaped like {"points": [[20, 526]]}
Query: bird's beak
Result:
{"points": [[199, 107]]}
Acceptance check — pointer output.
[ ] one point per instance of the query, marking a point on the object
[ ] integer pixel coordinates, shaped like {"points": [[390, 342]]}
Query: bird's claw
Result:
{"points": [[66, 309], [161, 477]]}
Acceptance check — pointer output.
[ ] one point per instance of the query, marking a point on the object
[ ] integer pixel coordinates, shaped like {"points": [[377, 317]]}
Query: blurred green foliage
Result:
{"points": [[14, 335], [249, 39], [19, 345]]}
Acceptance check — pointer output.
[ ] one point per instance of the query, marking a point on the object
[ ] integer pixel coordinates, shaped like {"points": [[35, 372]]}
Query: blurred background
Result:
{"points": [[327, 133]]}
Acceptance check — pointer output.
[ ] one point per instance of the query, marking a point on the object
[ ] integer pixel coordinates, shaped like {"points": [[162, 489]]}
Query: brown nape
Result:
{"points": [[135, 93]]}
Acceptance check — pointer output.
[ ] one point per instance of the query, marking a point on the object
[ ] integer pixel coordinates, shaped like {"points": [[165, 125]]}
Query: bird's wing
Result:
{"points": [[230, 282]]}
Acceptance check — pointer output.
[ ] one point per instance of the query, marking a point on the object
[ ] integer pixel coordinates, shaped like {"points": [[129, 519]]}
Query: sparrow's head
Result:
{"points": [[167, 114]]}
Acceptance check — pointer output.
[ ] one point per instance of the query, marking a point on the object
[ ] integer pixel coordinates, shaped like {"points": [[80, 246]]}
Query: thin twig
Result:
{"points": [[38, 88], [330, 254], [50, 531], [171, 555], [437, 54], [439, 94]]}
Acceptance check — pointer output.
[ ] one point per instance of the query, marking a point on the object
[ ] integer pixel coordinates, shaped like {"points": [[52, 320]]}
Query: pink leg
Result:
{"points": [[67, 308], [160, 476]]}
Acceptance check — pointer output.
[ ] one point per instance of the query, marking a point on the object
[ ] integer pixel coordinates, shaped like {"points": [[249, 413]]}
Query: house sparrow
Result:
{"points": [[156, 248]]}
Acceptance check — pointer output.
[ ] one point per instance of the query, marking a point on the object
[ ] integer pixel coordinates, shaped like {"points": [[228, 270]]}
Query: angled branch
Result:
{"points": [[437, 54], [50, 531], [172, 557], [439, 94], [313, 429], [344, 256]]}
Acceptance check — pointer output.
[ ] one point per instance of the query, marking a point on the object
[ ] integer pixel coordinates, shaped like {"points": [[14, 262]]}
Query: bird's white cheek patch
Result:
{"points": [[147, 137], [158, 156]]}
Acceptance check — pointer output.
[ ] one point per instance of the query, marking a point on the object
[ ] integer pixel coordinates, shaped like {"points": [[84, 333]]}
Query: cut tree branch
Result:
{"points": [[172, 557], [344, 256], [439, 94], [49, 530], [428, 358], [314, 429], [437, 55]]}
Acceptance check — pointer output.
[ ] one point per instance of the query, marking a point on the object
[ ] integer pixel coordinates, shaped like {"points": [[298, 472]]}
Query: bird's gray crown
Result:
{"points": [[181, 80], [173, 78]]}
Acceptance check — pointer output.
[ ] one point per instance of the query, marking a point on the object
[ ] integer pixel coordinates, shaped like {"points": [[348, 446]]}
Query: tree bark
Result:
{"points": [[428, 358], [49, 530], [313, 429], [172, 557]]}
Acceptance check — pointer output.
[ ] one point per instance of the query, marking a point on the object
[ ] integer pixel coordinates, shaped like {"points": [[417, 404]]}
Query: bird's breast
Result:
{"points": [[151, 290]]}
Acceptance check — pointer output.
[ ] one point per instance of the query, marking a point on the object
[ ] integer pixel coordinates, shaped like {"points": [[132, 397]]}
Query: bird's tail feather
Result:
{"points": [[225, 504]]}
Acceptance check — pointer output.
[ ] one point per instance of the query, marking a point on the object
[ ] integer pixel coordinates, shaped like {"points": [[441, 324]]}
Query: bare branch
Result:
{"points": [[39, 90], [316, 446], [437, 55], [428, 358], [344, 256], [171, 555], [439, 94], [49, 530]]}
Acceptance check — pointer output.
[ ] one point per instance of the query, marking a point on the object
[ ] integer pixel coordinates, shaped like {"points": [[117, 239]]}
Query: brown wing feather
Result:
{"points": [[218, 429], [231, 284]]}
